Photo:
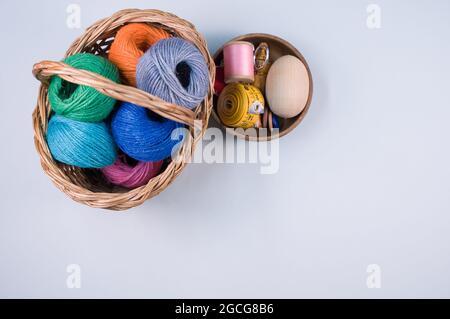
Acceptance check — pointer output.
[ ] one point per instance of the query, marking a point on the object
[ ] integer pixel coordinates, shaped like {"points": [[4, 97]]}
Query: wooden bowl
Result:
{"points": [[278, 48]]}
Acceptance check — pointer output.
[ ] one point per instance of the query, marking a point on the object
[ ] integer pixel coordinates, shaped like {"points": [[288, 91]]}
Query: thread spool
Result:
{"points": [[219, 83], [240, 105], [239, 62], [275, 121], [125, 174], [270, 120], [262, 66], [130, 44], [174, 70], [80, 102], [86, 145], [143, 135]]}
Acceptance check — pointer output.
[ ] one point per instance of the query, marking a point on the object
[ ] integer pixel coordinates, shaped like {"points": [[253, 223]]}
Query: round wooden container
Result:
{"points": [[278, 48]]}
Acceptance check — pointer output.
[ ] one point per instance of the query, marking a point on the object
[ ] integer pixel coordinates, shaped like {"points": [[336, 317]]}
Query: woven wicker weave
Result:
{"points": [[88, 186]]}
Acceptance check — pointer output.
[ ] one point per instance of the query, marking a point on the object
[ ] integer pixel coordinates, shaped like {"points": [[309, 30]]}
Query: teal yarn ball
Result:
{"points": [[80, 102], [86, 145]]}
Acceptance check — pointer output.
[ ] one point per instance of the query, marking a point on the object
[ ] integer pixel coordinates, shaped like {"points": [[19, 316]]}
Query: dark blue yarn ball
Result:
{"points": [[144, 135]]}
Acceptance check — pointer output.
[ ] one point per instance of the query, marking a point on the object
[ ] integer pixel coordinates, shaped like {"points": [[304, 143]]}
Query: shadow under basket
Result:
{"points": [[88, 186], [278, 48]]}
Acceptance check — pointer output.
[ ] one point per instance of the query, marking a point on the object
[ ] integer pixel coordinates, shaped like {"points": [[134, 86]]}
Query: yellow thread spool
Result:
{"points": [[240, 105]]}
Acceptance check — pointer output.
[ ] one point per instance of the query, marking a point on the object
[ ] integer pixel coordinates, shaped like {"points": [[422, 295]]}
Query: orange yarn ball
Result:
{"points": [[130, 44]]}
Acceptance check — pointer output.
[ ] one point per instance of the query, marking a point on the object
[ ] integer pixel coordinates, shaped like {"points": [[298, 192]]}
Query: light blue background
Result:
{"points": [[363, 180]]}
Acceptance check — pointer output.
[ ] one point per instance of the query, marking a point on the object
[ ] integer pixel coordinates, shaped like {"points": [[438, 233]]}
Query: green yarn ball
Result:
{"points": [[80, 102]]}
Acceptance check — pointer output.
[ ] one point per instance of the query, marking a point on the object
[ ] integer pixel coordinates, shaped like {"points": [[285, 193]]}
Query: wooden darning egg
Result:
{"points": [[287, 86]]}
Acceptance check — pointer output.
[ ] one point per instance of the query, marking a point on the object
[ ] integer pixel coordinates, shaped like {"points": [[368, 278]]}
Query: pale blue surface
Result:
{"points": [[365, 179]]}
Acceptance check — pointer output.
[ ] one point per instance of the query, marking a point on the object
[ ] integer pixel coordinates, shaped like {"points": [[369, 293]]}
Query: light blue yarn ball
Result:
{"points": [[82, 144], [174, 70]]}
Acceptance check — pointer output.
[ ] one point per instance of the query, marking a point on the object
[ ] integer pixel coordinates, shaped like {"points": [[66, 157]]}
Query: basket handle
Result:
{"points": [[44, 70]]}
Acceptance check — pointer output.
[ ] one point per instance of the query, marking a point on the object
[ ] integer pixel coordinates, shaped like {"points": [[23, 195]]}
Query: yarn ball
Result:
{"points": [[129, 44], [123, 173], [86, 145], [81, 102], [174, 70], [143, 135]]}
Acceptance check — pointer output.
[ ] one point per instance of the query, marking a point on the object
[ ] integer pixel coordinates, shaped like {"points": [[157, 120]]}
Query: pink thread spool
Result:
{"points": [[239, 62]]}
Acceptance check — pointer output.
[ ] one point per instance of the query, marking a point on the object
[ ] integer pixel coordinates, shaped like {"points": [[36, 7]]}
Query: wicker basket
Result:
{"points": [[88, 186]]}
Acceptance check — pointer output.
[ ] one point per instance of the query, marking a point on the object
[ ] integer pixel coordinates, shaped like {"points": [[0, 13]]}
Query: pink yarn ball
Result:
{"points": [[123, 174]]}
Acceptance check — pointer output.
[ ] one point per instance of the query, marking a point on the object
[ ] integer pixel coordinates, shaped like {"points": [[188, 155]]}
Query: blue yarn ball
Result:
{"points": [[174, 70], [143, 135], [82, 144]]}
